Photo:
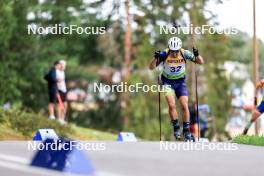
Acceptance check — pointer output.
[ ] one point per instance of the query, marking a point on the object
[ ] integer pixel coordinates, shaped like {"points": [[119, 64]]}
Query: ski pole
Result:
{"points": [[159, 108], [196, 89], [197, 103]]}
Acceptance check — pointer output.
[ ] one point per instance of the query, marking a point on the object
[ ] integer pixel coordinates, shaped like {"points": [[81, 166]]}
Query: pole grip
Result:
{"points": [[255, 101]]}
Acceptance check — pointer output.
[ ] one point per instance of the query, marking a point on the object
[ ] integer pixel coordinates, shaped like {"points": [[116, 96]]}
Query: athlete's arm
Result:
{"points": [[153, 63], [260, 84], [198, 58]]}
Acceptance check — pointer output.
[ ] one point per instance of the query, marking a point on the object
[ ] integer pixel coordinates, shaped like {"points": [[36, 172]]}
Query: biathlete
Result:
{"points": [[259, 110], [174, 60]]}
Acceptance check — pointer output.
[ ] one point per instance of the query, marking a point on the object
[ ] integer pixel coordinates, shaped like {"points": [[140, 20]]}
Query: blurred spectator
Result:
{"points": [[193, 120], [50, 77], [237, 113], [204, 112], [204, 119], [62, 90], [7, 105], [76, 94]]}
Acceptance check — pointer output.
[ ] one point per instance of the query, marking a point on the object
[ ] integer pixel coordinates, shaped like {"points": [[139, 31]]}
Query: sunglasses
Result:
{"points": [[174, 51]]}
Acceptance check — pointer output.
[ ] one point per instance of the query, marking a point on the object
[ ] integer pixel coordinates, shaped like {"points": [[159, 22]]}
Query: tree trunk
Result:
{"points": [[126, 64]]}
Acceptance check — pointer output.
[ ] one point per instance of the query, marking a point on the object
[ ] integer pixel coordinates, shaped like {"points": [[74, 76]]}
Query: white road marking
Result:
{"points": [[14, 159], [99, 173], [23, 168]]}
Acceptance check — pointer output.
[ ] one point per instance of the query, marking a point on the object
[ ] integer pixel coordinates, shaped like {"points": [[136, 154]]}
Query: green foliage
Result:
{"points": [[143, 112], [16, 124], [7, 23], [91, 134], [26, 58], [106, 118], [249, 140], [215, 50], [28, 123], [241, 45]]}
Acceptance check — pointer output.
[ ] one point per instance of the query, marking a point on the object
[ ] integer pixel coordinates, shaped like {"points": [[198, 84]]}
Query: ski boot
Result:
{"points": [[188, 137], [177, 134], [176, 129]]}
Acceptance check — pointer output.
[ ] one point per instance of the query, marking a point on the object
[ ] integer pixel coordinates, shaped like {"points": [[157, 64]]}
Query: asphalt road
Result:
{"points": [[147, 158]]}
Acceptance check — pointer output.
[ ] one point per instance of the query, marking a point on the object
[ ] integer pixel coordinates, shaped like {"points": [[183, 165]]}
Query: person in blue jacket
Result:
{"points": [[52, 88]]}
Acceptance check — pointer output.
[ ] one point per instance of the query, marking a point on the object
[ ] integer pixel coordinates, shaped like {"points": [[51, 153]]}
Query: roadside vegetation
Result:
{"points": [[250, 140], [22, 125], [123, 52]]}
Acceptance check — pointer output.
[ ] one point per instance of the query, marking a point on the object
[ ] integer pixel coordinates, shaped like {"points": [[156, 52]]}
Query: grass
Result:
{"points": [[250, 140], [91, 134], [78, 133], [7, 133], [21, 125]]}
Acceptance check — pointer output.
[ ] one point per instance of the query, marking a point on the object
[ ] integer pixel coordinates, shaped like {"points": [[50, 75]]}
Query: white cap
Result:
{"points": [[175, 43]]}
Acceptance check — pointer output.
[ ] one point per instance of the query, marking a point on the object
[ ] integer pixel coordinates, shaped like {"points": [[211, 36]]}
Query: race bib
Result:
{"points": [[174, 70], [174, 67]]}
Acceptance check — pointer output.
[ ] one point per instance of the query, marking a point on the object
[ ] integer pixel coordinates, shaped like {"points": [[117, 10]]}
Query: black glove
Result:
{"points": [[157, 54], [195, 52]]}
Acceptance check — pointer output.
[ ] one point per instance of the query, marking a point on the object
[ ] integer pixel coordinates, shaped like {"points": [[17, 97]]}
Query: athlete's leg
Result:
{"points": [[171, 101], [172, 107], [186, 118], [255, 115], [173, 115], [258, 111], [182, 94], [185, 109]]}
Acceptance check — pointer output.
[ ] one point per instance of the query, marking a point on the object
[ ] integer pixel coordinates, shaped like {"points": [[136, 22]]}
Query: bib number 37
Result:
{"points": [[175, 69]]}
